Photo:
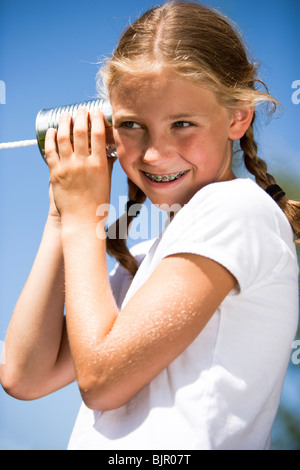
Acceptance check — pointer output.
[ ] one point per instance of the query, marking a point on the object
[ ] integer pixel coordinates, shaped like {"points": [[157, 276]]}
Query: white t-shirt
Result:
{"points": [[223, 391]]}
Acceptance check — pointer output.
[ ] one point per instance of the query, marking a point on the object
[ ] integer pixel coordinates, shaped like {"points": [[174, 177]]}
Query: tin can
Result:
{"points": [[49, 118]]}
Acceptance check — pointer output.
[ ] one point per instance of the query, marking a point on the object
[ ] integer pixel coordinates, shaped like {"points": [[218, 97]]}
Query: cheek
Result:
{"points": [[124, 144], [126, 153], [207, 153], [195, 151], [127, 147]]}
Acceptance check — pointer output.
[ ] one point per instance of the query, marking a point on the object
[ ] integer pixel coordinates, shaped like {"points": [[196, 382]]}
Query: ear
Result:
{"points": [[241, 120]]}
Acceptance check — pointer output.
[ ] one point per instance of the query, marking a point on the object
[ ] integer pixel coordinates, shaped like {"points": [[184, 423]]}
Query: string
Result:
{"points": [[20, 143]]}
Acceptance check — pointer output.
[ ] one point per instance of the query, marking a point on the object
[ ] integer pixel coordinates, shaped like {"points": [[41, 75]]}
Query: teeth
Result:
{"points": [[165, 178]]}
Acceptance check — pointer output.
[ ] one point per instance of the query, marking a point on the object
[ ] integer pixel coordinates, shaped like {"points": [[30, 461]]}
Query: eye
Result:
{"points": [[130, 125], [182, 124]]}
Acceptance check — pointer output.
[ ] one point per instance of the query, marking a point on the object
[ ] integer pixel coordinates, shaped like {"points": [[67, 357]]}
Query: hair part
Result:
{"points": [[201, 45], [193, 41]]}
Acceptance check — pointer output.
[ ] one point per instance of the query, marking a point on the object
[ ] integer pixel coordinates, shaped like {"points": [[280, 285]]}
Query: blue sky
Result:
{"points": [[49, 52]]}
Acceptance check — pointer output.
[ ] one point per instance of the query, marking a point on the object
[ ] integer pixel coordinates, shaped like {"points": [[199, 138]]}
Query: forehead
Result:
{"points": [[129, 86], [161, 90]]}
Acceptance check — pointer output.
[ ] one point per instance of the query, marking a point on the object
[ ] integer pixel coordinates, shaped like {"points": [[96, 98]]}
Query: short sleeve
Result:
{"points": [[234, 223]]}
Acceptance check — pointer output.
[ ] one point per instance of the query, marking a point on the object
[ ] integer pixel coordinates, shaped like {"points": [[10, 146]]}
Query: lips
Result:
{"points": [[165, 178]]}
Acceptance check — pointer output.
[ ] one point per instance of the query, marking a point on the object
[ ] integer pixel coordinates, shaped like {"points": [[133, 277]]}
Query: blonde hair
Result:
{"points": [[201, 45]]}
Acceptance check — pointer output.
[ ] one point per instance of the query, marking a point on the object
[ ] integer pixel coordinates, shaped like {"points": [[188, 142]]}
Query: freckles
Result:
{"points": [[126, 156], [128, 152], [117, 139], [127, 161]]}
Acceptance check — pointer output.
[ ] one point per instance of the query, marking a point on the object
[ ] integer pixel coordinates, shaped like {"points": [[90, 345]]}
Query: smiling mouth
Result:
{"points": [[165, 178]]}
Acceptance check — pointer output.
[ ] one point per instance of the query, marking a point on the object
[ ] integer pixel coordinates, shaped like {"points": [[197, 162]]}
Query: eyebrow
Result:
{"points": [[126, 117], [171, 117], [174, 117]]}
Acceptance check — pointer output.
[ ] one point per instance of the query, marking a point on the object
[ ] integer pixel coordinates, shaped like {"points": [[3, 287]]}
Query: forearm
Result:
{"points": [[90, 307], [80, 178], [117, 353], [35, 331]]}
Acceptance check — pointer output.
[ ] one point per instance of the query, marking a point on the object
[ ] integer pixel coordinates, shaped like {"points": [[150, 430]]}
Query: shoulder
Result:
{"points": [[235, 202], [240, 194], [236, 224]]}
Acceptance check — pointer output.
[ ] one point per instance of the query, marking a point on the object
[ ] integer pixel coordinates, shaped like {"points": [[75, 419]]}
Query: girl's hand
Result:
{"points": [[80, 172]]}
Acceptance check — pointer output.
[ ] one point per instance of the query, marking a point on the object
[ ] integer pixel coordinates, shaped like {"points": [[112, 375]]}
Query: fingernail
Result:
{"points": [[51, 130]]}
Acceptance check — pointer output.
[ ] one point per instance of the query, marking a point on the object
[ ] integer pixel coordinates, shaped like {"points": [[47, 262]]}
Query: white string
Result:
{"points": [[20, 143]]}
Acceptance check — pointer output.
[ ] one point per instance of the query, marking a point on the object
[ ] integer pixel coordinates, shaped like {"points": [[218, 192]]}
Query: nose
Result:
{"points": [[152, 156], [158, 150]]}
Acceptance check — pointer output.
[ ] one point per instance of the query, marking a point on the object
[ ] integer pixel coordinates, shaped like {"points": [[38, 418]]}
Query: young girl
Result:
{"points": [[190, 349]]}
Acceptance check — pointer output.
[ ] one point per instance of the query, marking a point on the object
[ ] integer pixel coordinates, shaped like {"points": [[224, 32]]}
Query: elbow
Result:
{"points": [[17, 387], [8, 382], [98, 395], [98, 403]]}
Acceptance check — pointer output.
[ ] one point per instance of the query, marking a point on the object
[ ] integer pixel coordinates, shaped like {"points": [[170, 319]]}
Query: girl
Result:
{"points": [[190, 349]]}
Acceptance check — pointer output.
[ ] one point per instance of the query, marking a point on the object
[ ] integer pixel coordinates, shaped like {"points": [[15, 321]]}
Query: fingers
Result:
{"points": [[98, 135], [73, 139], [64, 143], [86, 137], [88, 134], [81, 133], [51, 147]]}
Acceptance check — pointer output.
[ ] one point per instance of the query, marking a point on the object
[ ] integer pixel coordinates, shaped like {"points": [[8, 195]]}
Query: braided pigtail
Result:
{"points": [[116, 245], [258, 167]]}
